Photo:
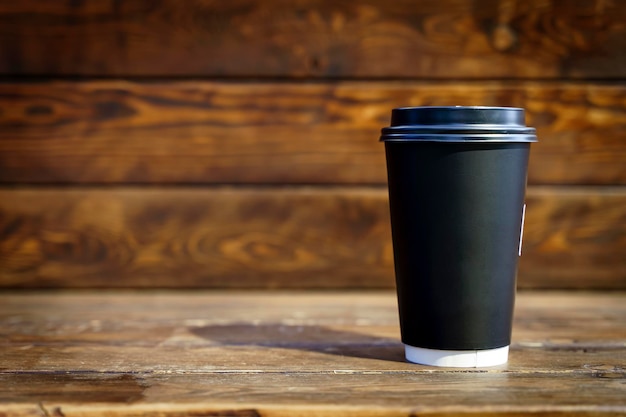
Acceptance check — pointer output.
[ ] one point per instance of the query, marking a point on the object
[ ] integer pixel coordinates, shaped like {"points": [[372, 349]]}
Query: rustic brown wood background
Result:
{"points": [[233, 144]]}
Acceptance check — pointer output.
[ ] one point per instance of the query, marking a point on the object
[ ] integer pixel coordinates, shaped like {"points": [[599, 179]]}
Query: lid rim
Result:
{"points": [[458, 124], [457, 130], [460, 108], [460, 139]]}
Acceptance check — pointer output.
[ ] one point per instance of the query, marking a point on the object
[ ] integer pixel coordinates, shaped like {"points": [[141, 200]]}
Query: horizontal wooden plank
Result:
{"points": [[315, 38], [554, 332], [274, 238], [321, 394], [295, 353], [356, 356], [251, 133]]}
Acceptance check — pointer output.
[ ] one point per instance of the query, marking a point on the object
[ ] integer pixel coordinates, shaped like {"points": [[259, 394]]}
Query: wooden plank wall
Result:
{"points": [[233, 144]]}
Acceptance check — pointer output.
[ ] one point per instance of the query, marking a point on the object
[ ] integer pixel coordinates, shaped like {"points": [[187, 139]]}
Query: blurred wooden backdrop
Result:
{"points": [[234, 144]]}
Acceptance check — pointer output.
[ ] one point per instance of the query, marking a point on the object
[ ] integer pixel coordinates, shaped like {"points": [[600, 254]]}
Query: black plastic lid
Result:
{"points": [[458, 124]]}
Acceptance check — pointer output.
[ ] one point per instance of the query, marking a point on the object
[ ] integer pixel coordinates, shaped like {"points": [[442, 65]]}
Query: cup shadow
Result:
{"points": [[312, 338]]}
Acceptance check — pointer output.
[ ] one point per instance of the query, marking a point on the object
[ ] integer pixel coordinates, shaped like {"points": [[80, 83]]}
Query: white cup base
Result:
{"points": [[457, 358]]}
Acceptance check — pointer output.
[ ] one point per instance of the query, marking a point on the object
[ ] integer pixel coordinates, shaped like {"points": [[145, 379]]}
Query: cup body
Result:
{"points": [[457, 206]]}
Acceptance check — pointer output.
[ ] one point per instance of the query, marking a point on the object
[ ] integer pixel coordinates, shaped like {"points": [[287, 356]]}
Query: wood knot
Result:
{"points": [[503, 38]]}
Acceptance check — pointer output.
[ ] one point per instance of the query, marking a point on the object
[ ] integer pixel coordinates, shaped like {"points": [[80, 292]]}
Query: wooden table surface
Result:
{"points": [[294, 354]]}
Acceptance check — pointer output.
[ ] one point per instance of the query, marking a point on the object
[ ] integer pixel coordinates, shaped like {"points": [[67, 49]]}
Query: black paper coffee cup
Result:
{"points": [[457, 180]]}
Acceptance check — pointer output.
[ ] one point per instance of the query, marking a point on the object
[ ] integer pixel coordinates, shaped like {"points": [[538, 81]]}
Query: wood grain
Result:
{"points": [[274, 238], [299, 331], [295, 353], [315, 38], [280, 133], [323, 394]]}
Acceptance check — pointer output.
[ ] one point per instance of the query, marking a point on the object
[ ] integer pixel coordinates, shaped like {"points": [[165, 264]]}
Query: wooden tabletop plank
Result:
{"points": [[335, 237], [315, 38], [150, 317], [339, 355], [409, 392], [112, 132], [294, 353]]}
